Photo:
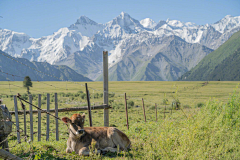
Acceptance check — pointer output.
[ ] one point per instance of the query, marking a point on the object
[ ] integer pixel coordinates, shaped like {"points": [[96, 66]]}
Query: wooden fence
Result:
{"points": [[105, 107], [24, 112]]}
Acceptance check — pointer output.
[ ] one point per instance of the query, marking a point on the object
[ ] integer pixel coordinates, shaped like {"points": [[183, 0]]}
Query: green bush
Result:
{"points": [[176, 104], [130, 103], [165, 101], [96, 95], [83, 96], [117, 105], [80, 92], [24, 96], [186, 106], [111, 101], [200, 104], [111, 95]]}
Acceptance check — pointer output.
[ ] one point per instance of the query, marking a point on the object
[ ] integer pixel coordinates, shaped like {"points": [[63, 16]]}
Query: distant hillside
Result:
{"points": [[47, 72], [167, 59], [229, 69], [221, 64], [161, 49]]}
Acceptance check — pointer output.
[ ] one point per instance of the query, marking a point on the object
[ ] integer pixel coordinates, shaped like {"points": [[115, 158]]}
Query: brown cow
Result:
{"points": [[80, 137]]}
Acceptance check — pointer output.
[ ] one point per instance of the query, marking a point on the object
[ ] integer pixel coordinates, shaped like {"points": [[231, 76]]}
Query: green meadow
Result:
{"points": [[205, 127]]}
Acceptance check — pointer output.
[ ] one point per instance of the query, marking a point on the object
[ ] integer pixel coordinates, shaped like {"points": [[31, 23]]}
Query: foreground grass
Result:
{"points": [[209, 132]]}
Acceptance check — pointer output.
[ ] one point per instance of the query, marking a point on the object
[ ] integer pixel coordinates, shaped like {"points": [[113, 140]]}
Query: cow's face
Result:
{"points": [[76, 123]]}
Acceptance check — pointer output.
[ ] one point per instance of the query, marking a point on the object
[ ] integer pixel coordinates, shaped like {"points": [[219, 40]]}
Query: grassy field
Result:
{"points": [[206, 127]]}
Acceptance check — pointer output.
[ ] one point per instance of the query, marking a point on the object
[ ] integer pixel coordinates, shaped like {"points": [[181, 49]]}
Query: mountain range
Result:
{"points": [[138, 50], [15, 69], [221, 64]]}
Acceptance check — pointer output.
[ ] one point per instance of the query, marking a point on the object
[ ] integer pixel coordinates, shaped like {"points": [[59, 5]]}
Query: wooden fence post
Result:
{"points": [[89, 106], [25, 124], [105, 87], [48, 108], [126, 110], [56, 114], [144, 110], [16, 116], [156, 110], [39, 118], [31, 117]]}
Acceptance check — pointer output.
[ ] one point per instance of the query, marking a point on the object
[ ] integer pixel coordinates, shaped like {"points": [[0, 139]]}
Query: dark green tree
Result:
{"points": [[27, 83]]}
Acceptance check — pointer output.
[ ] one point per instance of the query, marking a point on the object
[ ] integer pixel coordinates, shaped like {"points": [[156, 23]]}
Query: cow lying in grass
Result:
{"points": [[80, 137]]}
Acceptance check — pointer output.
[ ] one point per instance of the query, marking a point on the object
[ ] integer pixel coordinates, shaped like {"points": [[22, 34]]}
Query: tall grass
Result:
{"points": [[209, 132]]}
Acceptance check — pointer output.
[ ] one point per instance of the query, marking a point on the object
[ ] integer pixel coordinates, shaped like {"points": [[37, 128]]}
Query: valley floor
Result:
{"points": [[205, 127]]}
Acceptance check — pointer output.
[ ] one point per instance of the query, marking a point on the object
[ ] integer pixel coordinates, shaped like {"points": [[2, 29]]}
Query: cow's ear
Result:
{"points": [[83, 115], [66, 120]]}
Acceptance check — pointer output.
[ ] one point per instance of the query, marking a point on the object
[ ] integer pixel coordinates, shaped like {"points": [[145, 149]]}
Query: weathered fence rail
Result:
{"points": [[48, 110]]}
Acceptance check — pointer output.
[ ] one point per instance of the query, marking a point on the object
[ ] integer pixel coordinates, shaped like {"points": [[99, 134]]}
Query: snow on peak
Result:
{"points": [[228, 16], [85, 20], [86, 26], [227, 23], [124, 20], [175, 23], [123, 14], [148, 23]]}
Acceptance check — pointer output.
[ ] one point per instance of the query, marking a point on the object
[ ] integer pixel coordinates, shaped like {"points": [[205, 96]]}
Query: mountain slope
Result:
{"points": [[80, 45], [166, 59], [209, 67], [229, 69], [9, 65]]}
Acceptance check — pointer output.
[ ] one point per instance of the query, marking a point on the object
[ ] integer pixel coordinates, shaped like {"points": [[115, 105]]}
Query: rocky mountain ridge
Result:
{"points": [[80, 45], [37, 71]]}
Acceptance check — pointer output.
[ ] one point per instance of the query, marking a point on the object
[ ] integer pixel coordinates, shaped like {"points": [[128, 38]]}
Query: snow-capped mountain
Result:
{"points": [[227, 23], [13, 42], [148, 23], [81, 44]]}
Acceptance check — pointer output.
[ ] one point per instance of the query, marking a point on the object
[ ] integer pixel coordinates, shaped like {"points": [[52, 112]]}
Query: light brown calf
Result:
{"points": [[80, 137]]}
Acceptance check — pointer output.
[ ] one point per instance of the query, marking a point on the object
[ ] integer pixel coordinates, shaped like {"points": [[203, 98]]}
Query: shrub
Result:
{"points": [[176, 104], [44, 98], [83, 96], [200, 104], [69, 94], [130, 103], [24, 96], [52, 99], [117, 105], [165, 101], [186, 106], [111, 101], [76, 94], [96, 95], [152, 107], [80, 92], [111, 95], [61, 94]]}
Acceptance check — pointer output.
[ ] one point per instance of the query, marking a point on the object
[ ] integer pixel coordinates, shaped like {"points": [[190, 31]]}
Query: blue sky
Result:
{"points": [[39, 18]]}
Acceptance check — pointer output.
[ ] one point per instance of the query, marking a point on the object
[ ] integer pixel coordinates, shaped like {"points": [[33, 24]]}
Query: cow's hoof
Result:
{"points": [[68, 150]]}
